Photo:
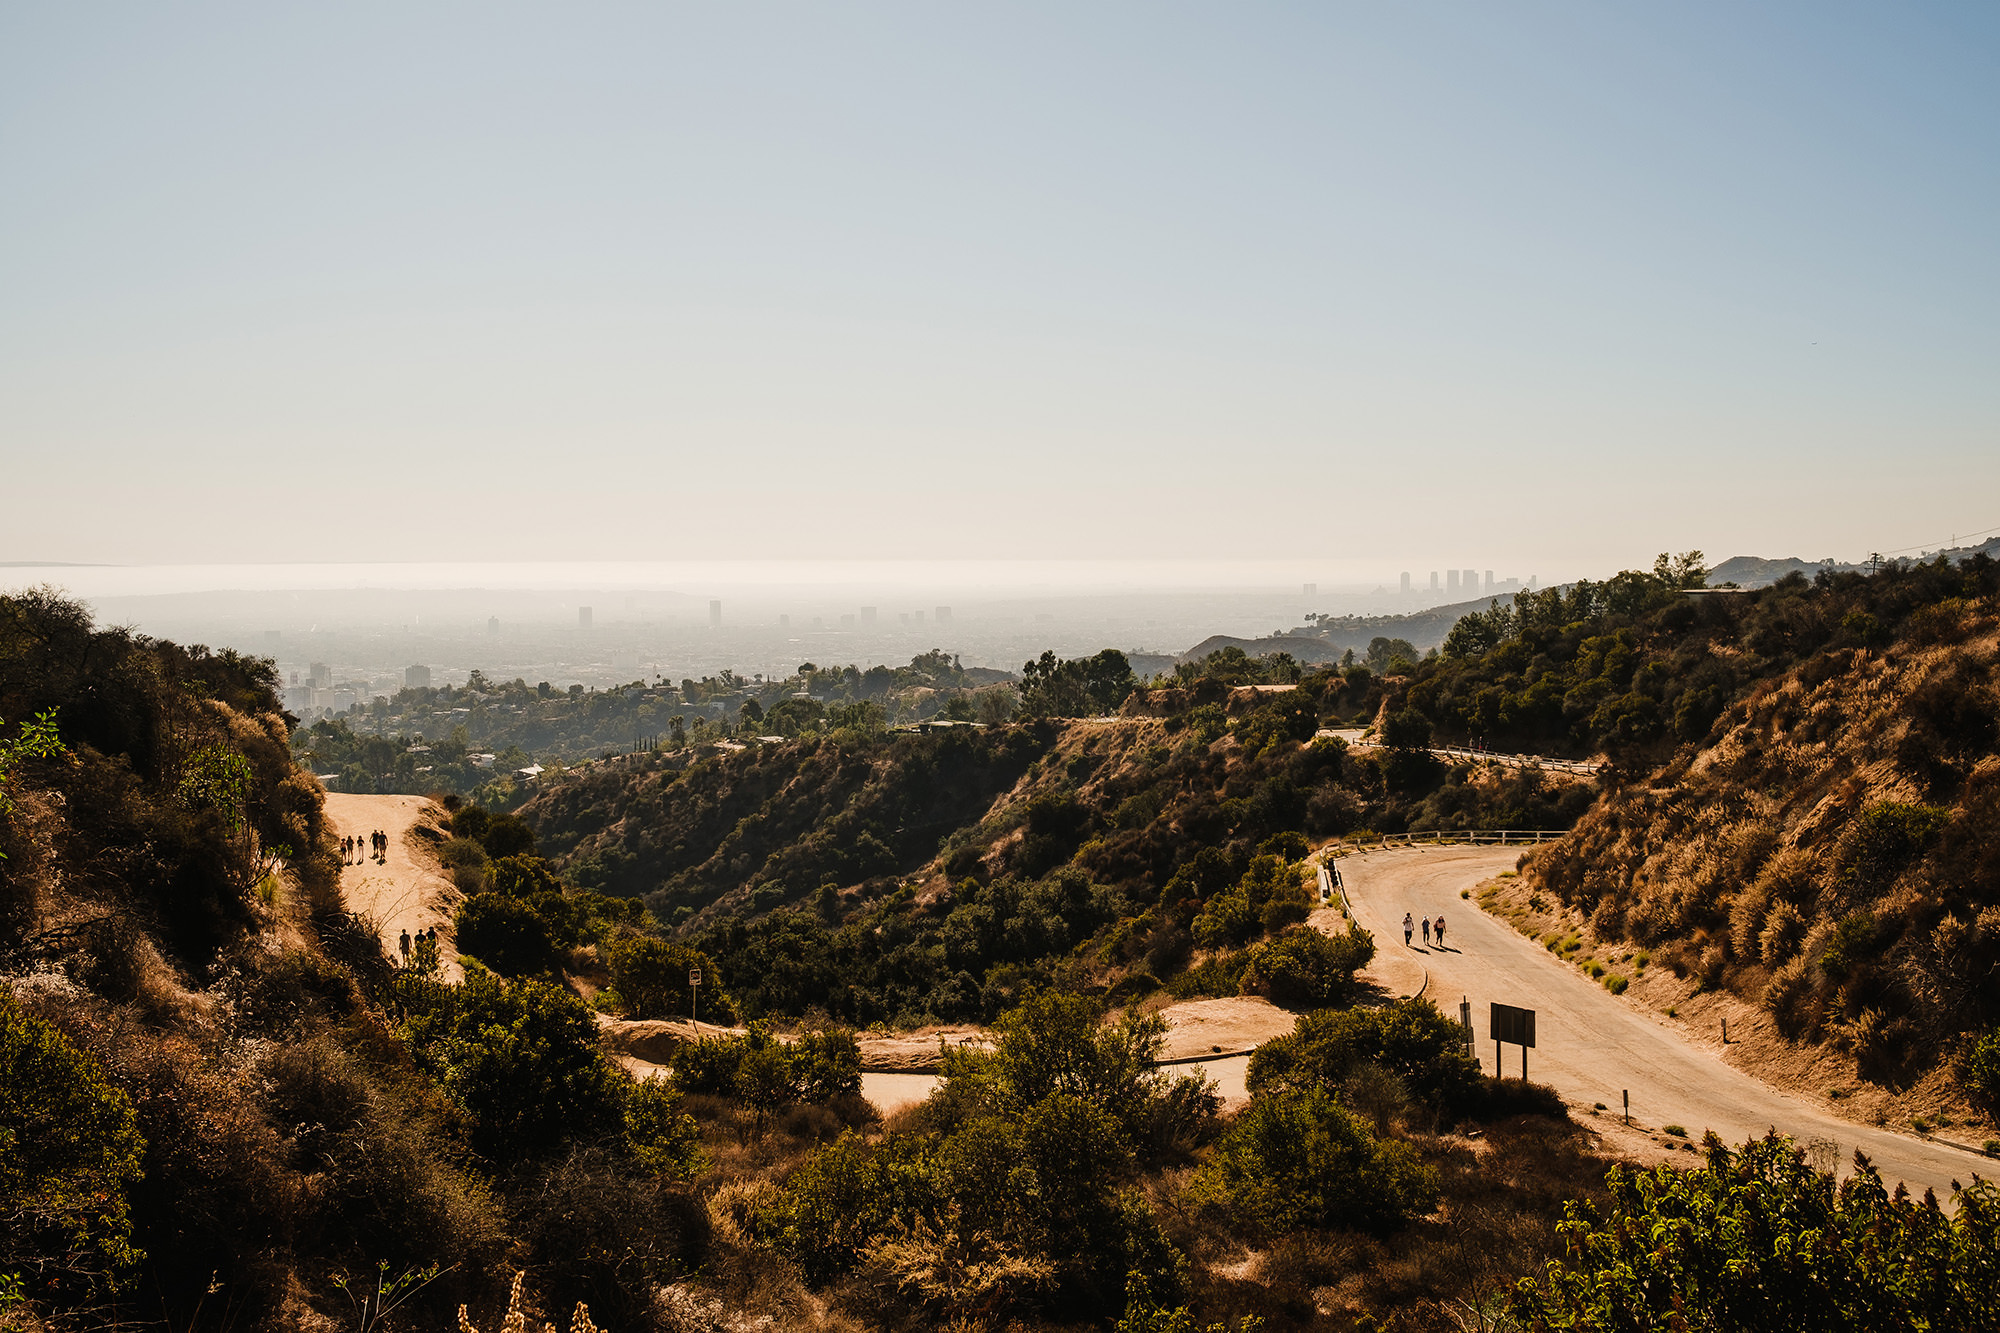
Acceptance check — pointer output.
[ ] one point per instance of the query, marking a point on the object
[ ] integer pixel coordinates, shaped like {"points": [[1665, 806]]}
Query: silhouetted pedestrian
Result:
{"points": [[1427, 932], [1409, 928], [404, 945], [1440, 930]]}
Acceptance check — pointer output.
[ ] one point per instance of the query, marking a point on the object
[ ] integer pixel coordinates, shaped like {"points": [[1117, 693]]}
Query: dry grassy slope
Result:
{"points": [[1090, 759], [1736, 865]]}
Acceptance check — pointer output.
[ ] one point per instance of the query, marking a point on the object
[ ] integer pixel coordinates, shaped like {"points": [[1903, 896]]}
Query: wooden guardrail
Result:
{"points": [[1444, 837]]}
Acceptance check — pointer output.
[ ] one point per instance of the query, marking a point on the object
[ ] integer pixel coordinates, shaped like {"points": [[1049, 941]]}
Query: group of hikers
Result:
{"points": [[425, 947], [378, 849], [1410, 924]]}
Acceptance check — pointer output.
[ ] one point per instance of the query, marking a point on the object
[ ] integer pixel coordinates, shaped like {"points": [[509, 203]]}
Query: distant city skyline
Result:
{"points": [[1346, 286]]}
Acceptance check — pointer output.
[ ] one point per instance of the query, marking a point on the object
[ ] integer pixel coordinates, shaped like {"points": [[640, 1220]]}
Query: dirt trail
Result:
{"points": [[408, 891], [1590, 1045]]}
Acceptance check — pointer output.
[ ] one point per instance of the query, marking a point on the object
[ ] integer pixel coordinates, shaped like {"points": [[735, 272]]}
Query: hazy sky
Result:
{"points": [[1530, 286]]}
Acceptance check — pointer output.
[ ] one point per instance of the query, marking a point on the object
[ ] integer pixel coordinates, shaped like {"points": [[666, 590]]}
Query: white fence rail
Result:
{"points": [[1443, 837]]}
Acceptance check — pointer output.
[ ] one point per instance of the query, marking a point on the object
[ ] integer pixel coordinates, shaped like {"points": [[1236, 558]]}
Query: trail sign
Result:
{"points": [[1509, 1024], [1514, 1026]]}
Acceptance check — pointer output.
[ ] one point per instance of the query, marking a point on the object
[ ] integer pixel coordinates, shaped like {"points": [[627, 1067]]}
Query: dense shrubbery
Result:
{"points": [[522, 1060], [69, 1148], [1009, 1189], [1300, 1159], [1408, 1040], [1306, 969], [816, 1067], [1756, 1239]]}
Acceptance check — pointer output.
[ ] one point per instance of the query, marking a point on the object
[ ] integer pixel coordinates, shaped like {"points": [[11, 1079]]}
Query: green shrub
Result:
{"points": [[1758, 1239], [1409, 1038], [1979, 1070], [1852, 945], [1616, 984], [505, 934], [69, 1148], [661, 1137], [1304, 968], [650, 976], [1300, 1159], [766, 1073], [1505, 1098], [520, 1057]]}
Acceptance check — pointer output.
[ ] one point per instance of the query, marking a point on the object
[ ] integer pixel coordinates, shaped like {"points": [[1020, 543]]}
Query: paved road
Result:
{"points": [[1590, 1045]]}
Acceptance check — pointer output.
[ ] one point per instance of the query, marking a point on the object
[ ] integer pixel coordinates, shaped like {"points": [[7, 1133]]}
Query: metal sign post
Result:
{"points": [[1509, 1024], [694, 996]]}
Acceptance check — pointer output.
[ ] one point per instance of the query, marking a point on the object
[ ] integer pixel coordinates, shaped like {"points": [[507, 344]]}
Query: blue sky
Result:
{"points": [[1557, 286]]}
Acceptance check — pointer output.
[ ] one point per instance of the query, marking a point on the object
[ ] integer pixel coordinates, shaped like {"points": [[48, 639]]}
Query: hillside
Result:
{"points": [[1826, 851], [218, 1099], [914, 878]]}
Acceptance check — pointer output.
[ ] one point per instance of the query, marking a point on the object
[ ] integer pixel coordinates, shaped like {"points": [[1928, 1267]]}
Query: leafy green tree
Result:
{"points": [[1083, 687], [1304, 968], [1409, 1039], [505, 934], [1387, 656], [38, 739], [1979, 1069], [650, 976], [69, 1148], [1756, 1239], [520, 1057], [1406, 730], [1299, 1159]]}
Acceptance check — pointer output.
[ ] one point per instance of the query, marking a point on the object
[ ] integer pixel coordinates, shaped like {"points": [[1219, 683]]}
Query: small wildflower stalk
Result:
{"points": [[516, 1320]]}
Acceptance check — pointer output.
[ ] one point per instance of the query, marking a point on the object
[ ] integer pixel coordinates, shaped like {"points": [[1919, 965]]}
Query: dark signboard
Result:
{"points": [[1513, 1026]]}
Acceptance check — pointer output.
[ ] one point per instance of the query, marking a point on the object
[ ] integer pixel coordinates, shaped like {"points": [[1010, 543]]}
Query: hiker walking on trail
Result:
{"points": [[1440, 930], [1427, 932], [1409, 928], [404, 945]]}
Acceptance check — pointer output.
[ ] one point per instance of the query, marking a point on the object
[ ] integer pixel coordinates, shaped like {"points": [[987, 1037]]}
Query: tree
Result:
{"points": [[1083, 687], [1298, 1159], [1757, 1239], [650, 975], [1406, 730], [1304, 968], [69, 1147], [1388, 656], [1410, 1039], [520, 1057], [505, 934]]}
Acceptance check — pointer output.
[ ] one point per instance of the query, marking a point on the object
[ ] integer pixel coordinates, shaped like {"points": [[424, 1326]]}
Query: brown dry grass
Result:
{"points": [[1729, 870]]}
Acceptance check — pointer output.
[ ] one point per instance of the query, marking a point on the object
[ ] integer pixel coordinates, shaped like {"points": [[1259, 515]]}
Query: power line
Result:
{"points": [[1938, 546]]}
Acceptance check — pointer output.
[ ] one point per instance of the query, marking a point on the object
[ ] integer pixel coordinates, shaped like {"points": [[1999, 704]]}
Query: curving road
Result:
{"points": [[1590, 1045]]}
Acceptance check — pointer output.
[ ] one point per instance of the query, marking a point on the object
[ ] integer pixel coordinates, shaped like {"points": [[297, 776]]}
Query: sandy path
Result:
{"points": [[1590, 1045], [406, 892]]}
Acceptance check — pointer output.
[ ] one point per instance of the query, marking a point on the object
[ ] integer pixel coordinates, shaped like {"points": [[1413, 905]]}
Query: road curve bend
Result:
{"points": [[1590, 1045]]}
